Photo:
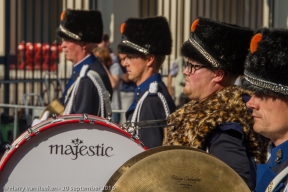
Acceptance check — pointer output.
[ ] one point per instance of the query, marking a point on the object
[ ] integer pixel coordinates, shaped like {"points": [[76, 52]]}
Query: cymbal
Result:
{"points": [[179, 169], [121, 170], [55, 107]]}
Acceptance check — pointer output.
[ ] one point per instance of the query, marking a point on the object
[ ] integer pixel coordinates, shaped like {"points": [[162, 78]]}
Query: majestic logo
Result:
{"points": [[82, 150]]}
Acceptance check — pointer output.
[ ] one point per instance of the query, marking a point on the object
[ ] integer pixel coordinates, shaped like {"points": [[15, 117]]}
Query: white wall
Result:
{"points": [[78, 4], [266, 13], [281, 14], [114, 13], [2, 27]]}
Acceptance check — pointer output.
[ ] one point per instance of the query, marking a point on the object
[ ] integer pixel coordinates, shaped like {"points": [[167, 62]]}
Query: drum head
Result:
{"points": [[179, 169], [68, 154]]}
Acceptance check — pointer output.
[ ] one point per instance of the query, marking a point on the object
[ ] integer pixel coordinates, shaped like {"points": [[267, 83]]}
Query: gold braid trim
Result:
{"points": [[195, 120]]}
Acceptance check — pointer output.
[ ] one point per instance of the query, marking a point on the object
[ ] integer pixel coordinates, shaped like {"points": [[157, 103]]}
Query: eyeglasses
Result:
{"points": [[192, 68]]}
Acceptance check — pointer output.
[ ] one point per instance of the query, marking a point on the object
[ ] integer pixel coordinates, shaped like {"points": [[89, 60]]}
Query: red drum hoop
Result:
{"points": [[56, 146]]}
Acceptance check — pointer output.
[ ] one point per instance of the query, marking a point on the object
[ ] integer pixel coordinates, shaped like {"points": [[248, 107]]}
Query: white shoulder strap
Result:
{"points": [[153, 88], [70, 103], [104, 96], [103, 93], [69, 91], [273, 184]]}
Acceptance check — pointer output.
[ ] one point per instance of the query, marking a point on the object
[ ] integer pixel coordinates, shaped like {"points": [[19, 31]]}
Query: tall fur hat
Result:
{"points": [[146, 36], [266, 66], [218, 44], [81, 25]]}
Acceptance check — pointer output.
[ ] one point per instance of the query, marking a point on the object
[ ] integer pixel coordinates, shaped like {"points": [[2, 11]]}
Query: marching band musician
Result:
{"points": [[145, 43], [216, 119], [265, 74], [79, 37]]}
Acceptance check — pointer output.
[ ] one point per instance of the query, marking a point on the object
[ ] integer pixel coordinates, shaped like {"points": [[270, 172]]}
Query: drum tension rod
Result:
{"points": [[8, 147], [136, 137], [54, 116], [85, 117], [29, 130], [109, 119]]}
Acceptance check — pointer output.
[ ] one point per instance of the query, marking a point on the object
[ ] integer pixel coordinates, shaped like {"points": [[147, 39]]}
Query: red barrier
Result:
{"points": [[45, 55]]}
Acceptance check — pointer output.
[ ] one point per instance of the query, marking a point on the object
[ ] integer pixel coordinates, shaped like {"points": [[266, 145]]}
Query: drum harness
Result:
{"points": [[104, 95], [134, 125]]}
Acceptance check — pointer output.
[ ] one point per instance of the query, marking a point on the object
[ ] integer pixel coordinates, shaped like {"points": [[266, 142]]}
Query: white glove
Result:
{"points": [[44, 117]]}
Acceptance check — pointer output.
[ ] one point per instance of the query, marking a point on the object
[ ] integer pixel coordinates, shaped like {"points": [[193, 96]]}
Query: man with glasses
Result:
{"points": [[79, 37], [216, 119], [145, 43]]}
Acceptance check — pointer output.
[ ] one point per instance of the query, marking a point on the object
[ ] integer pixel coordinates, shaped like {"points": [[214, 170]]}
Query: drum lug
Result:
{"points": [[135, 137], [8, 147], [55, 120], [54, 116], [109, 119], [30, 131], [36, 131], [85, 117]]}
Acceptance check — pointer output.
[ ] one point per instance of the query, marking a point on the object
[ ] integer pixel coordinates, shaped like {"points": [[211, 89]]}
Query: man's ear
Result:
{"points": [[150, 60], [87, 46], [218, 75]]}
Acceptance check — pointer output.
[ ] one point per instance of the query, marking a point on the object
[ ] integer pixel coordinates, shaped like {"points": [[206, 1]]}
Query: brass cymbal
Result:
{"points": [[55, 107], [121, 170], [177, 169]]}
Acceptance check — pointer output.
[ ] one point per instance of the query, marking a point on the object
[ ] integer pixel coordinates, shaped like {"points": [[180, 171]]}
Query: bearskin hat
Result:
{"points": [[266, 66], [81, 25], [218, 44], [146, 36]]}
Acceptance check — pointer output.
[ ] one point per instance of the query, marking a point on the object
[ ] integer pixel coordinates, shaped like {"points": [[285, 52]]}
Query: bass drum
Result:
{"points": [[68, 153]]}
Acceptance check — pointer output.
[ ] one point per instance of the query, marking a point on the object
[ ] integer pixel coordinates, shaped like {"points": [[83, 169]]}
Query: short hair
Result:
{"points": [[159, 60], [105, 37]]}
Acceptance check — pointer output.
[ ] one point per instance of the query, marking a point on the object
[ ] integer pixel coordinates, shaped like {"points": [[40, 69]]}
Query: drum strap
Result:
{"points": [[153, 89], [104, 96]]}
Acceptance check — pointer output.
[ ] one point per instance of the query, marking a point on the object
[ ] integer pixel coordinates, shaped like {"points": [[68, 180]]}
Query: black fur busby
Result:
{"points": [[218, 44], [266, 66], [146, 36], [81, 25]]}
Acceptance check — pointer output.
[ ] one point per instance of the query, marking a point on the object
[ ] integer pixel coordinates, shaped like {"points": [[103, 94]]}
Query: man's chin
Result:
{"points": [[257, 129], [186, 92], [131, 78]]}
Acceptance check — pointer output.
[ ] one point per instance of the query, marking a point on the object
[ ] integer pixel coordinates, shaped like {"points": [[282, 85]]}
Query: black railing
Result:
{"points": [[35, 21]]}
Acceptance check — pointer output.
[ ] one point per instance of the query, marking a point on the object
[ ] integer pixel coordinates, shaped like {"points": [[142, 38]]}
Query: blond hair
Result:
{"points": [[103, 54]]}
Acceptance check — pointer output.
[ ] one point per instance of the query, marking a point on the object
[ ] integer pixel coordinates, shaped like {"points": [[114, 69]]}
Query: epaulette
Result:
{"points": [[153, 88]]}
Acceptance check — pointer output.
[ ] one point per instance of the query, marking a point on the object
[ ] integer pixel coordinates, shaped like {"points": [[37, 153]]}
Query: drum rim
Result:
{"points": [[52, 123]]}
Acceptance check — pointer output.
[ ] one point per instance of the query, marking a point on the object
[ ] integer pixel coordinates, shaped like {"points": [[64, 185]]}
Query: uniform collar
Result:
{"points": [[142, 88], [265, 174], [145, 85], [279, 154], [87, 60]]}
